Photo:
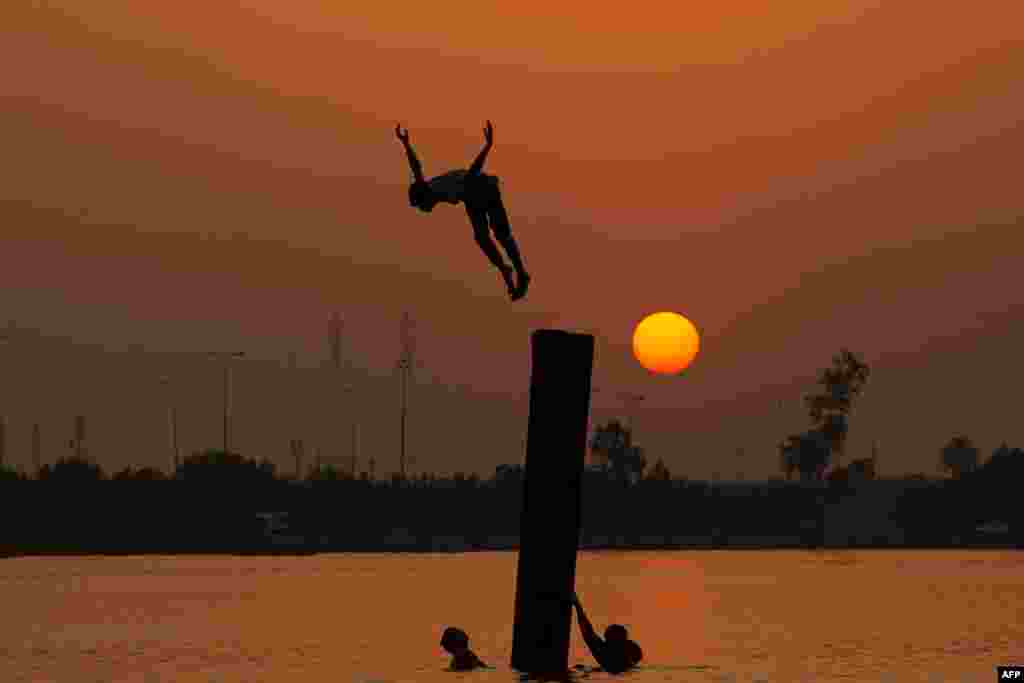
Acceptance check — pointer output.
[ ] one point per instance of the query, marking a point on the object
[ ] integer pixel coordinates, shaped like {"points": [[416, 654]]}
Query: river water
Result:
{"points": [[789, 616]]}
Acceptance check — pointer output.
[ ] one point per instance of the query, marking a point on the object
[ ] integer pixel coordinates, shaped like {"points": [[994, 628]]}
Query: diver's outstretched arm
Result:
{"points": [[414, 163], [591, 638], [478, 163]]}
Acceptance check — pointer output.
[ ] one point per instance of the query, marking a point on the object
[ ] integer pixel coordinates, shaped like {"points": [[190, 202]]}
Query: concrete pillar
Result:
{"points": [[550, 523]]}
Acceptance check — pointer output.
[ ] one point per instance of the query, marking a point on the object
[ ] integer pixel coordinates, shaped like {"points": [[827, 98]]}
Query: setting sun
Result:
{"points": [[665, 343]]}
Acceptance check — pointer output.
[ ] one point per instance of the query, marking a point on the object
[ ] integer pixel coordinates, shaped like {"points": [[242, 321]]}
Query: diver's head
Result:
{"points": [[616, 633], [421, 196], [454, 639]]}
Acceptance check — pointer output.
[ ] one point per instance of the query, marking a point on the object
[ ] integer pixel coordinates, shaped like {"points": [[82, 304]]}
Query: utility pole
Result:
{"points": [[291, 393], [340, 367], [227, 356], [406, 360], [335, 328], [37, 448]]}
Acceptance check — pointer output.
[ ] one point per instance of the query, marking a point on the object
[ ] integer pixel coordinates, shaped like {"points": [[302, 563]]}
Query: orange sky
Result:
{"points": [[790, 177]]}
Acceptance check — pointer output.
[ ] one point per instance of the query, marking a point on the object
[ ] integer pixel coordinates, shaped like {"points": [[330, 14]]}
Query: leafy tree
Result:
{"points": [[615, 442], [9, 473], [842, 384], [959, 457], [829, 410], [143, 474], [217, 467]]}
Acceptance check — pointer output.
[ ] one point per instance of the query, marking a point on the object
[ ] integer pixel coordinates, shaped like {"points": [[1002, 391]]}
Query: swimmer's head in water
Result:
{"points": [[616, 633], [421, 196], [454, 639]]}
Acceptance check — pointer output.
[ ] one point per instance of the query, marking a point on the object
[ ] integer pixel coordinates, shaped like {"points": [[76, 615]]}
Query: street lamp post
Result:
{"points": [[228, 356], [406, 363], [172, 426]]}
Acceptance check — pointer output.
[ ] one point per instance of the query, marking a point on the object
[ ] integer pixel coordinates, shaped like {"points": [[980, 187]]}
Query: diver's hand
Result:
{"points": [[402, 135], [489, 133]]}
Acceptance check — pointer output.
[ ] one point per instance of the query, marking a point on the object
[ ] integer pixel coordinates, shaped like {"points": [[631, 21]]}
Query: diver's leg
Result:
{"points": [[503, 233], [482, 235]]}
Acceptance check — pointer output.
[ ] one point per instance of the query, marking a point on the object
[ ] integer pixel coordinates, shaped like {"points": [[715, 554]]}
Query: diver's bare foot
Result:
{"points": [[520, 290], [510, 284]]}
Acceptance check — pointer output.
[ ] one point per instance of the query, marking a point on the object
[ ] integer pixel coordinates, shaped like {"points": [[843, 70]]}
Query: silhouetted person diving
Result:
{"points": [[481, 195], [616, 653], [456, 642]]}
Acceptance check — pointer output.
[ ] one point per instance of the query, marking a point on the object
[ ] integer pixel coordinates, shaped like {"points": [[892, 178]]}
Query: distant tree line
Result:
{"points": [[211, 505], [212, 500]]}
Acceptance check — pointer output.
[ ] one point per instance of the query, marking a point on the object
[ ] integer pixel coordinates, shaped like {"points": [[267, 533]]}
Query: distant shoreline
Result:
{"points": [[325, 550]]}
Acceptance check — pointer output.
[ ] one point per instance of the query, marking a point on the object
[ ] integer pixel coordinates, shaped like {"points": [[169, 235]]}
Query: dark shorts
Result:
{"points": [[484, 206], [482, 190]]}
